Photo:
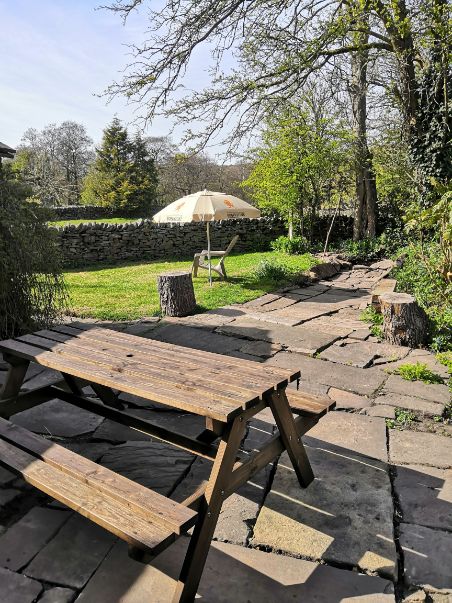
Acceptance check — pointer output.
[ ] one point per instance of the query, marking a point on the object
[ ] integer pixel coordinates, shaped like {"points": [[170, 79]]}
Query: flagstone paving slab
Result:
{"points": [[351, 354], [349, 378], [18, 589], [232, 573], [57, 418], [301, 339], [427, 556], [387, 412], [410, 403], [72, 556], [196, 338], [24, 539], [363, 353], [278, 304], [6, 477], [350, 434], [57, 595], [344, 517], [421, 448], [425, 495], [208, 320], [346, 399], [264, 349], [7, 496], [153, 464]]}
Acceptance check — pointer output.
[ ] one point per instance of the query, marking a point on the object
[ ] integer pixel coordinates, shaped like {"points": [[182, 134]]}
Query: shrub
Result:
{"points": [[369, 250], [418, 372], [294, 246], [32, 292], [270, 270], [421, 275]]}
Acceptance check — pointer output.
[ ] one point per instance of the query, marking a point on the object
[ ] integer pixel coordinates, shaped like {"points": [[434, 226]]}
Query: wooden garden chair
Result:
{"points": [[199, 260]]}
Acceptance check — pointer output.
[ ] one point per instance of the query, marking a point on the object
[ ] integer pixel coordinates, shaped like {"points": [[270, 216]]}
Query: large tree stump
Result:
{"points": [[404, 321], [177, 297]]}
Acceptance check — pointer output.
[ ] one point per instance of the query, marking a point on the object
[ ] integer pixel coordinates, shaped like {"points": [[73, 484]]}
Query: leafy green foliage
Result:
{"points": [[300, 158], [431, 142], [32, 292], [403, 418], [421, 275], [271, 270], [123, 175], [417, 372], [375, 319], [293, 246]]}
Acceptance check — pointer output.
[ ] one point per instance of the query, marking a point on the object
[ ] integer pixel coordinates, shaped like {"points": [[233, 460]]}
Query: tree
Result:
{"points": [[54, 162], [181, 173], [123, 175], [280, 45], [298, 164]]}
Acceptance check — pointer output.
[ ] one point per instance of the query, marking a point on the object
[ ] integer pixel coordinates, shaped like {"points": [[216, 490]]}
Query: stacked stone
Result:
{"points": [[145, 240]]}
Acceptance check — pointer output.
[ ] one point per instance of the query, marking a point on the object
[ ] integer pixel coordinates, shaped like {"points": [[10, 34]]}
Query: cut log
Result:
{"points": [[177, 297], [404, 321], [386, 285]]}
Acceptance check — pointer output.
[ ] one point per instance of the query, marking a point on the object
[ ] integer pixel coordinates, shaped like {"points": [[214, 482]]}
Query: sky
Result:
{"points": [[56, 56]]}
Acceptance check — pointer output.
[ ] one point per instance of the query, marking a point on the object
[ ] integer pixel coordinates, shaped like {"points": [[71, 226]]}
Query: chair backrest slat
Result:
{"points": [[231, 245]]}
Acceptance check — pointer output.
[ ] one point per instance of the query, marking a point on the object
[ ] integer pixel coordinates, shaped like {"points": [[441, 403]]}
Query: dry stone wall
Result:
{"points": [[91, 212], [91, 243]]}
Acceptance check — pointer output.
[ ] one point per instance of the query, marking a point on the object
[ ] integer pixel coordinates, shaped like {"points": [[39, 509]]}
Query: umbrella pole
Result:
{"points": [[208, 253]]}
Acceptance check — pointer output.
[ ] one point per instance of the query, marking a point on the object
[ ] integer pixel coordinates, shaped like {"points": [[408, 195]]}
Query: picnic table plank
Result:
{"points": [[239, 365], [146, 503], [171, 396], [147, 366], [108, 513]]}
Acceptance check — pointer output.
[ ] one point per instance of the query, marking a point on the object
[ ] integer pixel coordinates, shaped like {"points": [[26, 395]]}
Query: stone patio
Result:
{"points": [[374, 526]]}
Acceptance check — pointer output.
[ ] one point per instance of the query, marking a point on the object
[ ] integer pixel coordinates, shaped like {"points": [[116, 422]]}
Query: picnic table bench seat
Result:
{"points": [[142, 517], [226, 391]]}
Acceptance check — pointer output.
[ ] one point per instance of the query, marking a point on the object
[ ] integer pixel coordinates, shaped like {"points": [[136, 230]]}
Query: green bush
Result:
{"points": [[270, 270], [370, 250], [294, 246], [418, 372], [32, 292], [421, 276]]}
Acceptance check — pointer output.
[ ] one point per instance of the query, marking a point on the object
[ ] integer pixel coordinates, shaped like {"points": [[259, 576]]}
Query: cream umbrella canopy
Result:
{"points": [[206, 206]]}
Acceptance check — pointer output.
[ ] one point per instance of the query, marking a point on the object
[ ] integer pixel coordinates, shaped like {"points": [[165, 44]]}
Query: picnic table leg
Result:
{"points": [[14, 380], [208, 513], [291, 438]]}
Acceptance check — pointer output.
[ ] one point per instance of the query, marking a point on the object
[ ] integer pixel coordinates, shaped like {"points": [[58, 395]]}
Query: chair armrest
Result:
{"points": [[213, 254]]}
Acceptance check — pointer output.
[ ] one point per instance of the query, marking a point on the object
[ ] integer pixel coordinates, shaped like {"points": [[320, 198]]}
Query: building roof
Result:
{"points": [[6, 151]]}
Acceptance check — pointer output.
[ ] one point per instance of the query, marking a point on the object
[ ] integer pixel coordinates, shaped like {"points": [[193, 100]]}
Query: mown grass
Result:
{"points": [[61, 223], [129, 291]]}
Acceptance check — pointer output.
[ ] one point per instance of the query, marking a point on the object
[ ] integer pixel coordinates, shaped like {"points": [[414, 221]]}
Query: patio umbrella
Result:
{"points": [[206, 206]]}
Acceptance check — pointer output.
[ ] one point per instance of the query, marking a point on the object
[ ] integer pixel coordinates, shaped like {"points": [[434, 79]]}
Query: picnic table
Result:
{"points": [[226, 391]]}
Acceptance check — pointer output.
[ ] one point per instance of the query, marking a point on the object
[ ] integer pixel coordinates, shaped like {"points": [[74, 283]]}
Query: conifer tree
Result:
{"points": [[123, 175]]}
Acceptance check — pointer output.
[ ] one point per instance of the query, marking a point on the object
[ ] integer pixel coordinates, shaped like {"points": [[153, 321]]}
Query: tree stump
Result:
{"points": [[177, 297], [404, 321]]}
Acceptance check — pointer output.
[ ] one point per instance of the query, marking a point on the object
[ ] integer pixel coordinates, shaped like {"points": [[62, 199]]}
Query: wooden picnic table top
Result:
{"points": [[208, 384]]}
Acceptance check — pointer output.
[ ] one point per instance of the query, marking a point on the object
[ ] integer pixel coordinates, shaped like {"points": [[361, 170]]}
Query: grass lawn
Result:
{"points": [[62, 223], [129, 291]]}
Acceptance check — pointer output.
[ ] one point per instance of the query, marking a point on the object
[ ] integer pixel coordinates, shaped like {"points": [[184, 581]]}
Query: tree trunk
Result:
{"points": [[404, 321], [366, 190], [177, 297]]}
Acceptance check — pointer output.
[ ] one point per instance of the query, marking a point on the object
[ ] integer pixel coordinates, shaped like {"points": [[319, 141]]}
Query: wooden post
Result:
{"points": [[404, 321], [177, 297]]}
